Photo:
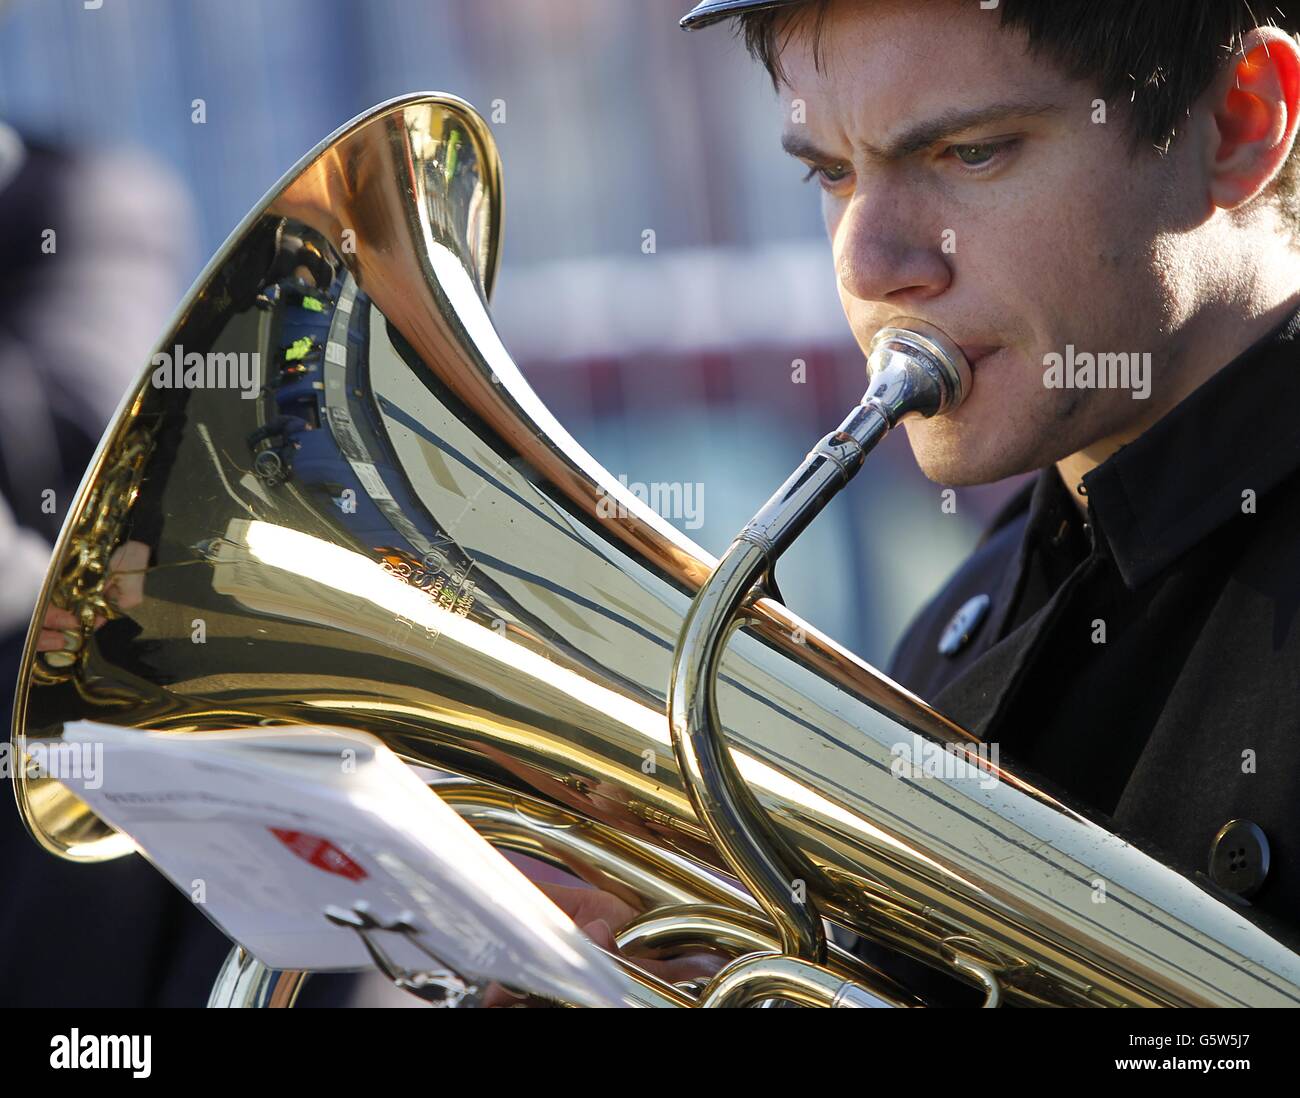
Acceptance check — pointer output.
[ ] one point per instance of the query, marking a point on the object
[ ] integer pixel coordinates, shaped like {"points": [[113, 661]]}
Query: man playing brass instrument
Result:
{"points": [[1097, 200]]}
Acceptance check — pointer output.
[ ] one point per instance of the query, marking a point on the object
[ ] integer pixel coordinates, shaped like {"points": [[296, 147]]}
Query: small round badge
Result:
{"points": [[964, 623]]}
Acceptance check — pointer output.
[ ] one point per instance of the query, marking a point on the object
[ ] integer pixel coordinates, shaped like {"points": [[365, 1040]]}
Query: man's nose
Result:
{"points": [[880, 256]]}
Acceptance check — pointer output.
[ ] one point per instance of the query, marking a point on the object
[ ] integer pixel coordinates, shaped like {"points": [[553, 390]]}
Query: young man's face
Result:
{"points": [[1026, 230]]}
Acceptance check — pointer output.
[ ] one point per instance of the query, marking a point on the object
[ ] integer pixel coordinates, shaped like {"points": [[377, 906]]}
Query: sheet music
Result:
{"points": [[266, 828]]}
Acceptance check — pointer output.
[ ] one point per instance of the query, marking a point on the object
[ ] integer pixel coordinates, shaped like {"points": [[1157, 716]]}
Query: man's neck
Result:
{"points": [[1238, 338]]}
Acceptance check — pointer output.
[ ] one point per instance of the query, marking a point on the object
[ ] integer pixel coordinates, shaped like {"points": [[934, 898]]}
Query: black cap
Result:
{"points": [[711, 11]]}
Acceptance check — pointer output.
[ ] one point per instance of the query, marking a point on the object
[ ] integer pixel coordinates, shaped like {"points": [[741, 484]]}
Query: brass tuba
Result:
{"points": [[333, 464]]}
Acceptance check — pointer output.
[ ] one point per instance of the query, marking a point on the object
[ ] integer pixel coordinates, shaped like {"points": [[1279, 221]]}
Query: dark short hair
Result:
{"points": [[1149, 58]]}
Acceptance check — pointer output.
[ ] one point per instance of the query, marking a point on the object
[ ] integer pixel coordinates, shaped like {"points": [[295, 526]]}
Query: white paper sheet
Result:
{"points": [[266, 828]]}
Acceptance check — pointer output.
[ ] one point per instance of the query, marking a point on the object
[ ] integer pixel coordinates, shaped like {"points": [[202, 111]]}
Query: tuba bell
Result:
{"points": [[333, 465]]}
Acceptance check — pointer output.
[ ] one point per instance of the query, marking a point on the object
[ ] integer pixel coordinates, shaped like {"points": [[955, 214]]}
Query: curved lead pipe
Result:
{"points": [[914, 369]]}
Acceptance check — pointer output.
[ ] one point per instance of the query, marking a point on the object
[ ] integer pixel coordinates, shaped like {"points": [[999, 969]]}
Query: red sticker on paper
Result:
{"points": [[321, 853]]}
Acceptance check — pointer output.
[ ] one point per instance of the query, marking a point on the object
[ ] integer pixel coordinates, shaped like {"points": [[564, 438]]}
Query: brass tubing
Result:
{"points": [[913, 371], [702, 926], [756, 979], [718, 793], [245, 982], [640, 874]]}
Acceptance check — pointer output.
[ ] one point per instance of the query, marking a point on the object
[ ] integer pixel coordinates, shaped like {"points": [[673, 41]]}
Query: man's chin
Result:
{"points": [[952, 475], [948, 458]]}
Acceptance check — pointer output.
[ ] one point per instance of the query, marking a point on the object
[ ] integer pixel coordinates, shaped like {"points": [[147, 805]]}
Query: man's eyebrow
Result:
{"points": [[925, 134]]}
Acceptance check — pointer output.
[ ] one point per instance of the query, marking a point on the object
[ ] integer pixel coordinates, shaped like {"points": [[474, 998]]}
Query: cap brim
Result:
{"points": [[714, 11]]}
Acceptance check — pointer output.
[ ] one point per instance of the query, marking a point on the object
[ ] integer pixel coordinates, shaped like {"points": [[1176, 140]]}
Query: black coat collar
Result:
{"points": [[1185, 476]]}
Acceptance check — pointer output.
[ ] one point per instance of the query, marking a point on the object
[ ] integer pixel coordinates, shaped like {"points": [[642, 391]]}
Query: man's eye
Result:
{"points": [[828, 177], [979, 155]]}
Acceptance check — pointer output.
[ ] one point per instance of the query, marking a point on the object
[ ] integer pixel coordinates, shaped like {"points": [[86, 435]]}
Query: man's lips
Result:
{"points": [[974, 352]]}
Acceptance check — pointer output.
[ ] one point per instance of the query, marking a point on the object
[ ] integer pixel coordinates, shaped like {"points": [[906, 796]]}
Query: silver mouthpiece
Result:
{"points": [[913, 369]]}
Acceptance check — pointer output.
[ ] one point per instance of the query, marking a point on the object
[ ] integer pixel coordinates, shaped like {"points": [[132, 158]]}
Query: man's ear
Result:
{"points": [[1256, 107]]}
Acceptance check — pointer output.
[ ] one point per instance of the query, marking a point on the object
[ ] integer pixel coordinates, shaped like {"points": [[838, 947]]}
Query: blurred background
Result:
{"points": [[670, 366]]}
